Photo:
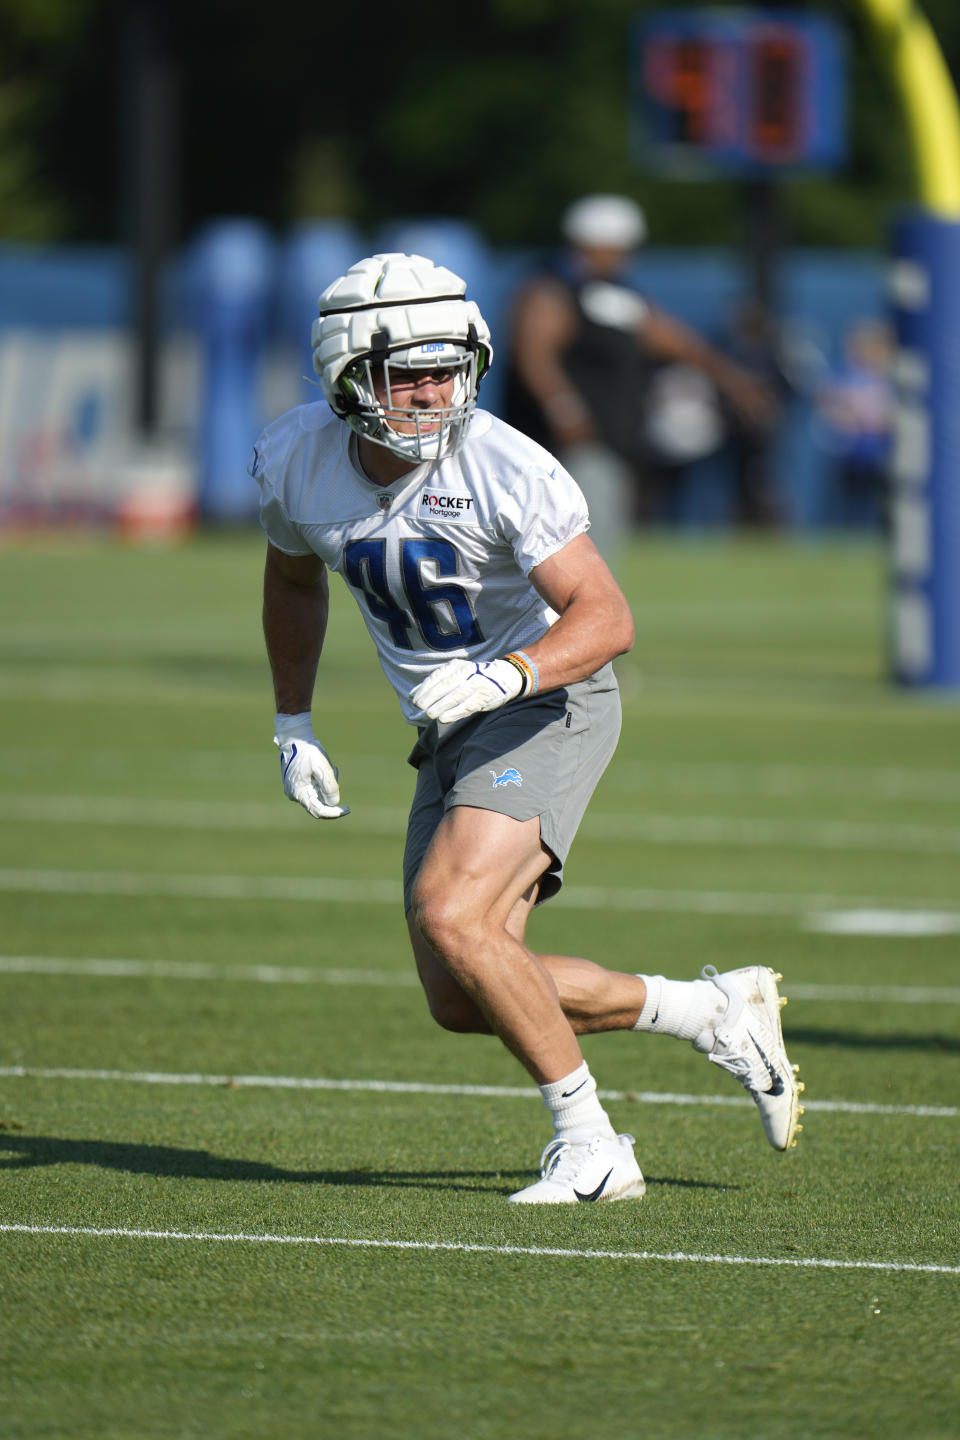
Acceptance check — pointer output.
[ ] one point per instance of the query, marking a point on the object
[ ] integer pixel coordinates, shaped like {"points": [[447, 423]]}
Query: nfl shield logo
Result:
{"points": [[384, 499]]}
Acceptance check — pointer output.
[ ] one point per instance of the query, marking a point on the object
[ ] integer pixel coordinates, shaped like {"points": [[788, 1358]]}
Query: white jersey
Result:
{"points": [[438, 561]]}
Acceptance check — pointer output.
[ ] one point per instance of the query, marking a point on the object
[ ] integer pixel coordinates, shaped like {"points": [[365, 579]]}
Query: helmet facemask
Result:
{"points": [[412, 432]]}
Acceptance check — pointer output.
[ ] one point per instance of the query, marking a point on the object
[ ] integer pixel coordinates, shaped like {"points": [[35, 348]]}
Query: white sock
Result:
{"points": [[682, 1008], [576, 1111]]}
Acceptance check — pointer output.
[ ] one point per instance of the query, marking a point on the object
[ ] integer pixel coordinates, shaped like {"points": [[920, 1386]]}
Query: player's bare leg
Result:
{"points": [[720, 1016], [592, 998], [480, 864], [474, 889]]}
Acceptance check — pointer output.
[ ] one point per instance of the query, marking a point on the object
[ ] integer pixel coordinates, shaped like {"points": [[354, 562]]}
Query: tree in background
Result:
{"points": [[500, 114]]}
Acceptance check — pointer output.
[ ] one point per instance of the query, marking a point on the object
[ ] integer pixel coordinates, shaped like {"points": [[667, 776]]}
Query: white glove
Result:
{"points": [[465, 687], [305, 769]]}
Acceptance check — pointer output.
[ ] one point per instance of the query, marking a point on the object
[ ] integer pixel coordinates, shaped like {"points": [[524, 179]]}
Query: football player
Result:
{"points": [[466, 547]]}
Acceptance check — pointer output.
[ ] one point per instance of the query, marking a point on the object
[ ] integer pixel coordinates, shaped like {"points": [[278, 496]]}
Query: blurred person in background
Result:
{"points": [[684, 429], [753, 341], [853, 422], [585, 347], [496, 621]]}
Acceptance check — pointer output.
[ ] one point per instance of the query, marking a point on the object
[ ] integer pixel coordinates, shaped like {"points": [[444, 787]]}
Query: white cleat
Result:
{"points": [[748, 1042], [599, 1169]]}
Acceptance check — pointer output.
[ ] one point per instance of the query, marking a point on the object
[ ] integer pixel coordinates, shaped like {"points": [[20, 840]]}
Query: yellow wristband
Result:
{"points": [[523, 663]]}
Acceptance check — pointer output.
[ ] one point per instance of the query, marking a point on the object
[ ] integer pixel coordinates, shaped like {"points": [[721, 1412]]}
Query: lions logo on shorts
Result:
{"points": [[509, 777]]}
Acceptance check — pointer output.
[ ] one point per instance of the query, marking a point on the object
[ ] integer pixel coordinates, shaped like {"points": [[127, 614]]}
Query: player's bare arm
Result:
{"points": [[296, 601], [668, 339], [595, 624], [545, 323], [295, 609]]}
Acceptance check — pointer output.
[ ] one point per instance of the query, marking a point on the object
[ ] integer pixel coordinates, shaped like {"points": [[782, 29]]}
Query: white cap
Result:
{"points": [[612, 221]]}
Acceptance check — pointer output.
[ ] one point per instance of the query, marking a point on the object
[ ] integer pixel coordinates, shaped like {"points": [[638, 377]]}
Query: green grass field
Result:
{"points": [[246, 1189]]}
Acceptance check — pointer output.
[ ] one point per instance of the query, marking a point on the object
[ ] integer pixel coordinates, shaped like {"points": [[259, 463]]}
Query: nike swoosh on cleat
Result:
{"points": [[594, 1194], [565, 1094], [776, 1082]]}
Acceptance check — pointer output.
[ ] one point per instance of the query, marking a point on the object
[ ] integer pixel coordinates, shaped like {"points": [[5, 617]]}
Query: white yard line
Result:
{"points": [[688, 777], [876, 994], [200, 970], [420, 1087], [894, 923], [201, 887], [817, 701], [862, 782], [895, 837], [678, 1257], [892, 837], [117, 969], [329, 889]]}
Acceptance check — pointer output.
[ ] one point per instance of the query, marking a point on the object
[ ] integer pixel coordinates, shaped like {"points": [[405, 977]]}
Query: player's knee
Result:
{"points": [[444, 923]]}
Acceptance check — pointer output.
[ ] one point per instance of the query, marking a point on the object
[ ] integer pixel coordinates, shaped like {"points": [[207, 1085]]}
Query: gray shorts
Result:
{"points": [[542, 756]]}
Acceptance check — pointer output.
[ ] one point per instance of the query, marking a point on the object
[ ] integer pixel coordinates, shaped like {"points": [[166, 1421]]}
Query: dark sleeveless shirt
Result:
{"points": [[607, 367]]}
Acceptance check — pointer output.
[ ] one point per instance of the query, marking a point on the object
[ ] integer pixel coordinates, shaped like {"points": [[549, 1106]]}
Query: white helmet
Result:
{"points": [[404, 312]]}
